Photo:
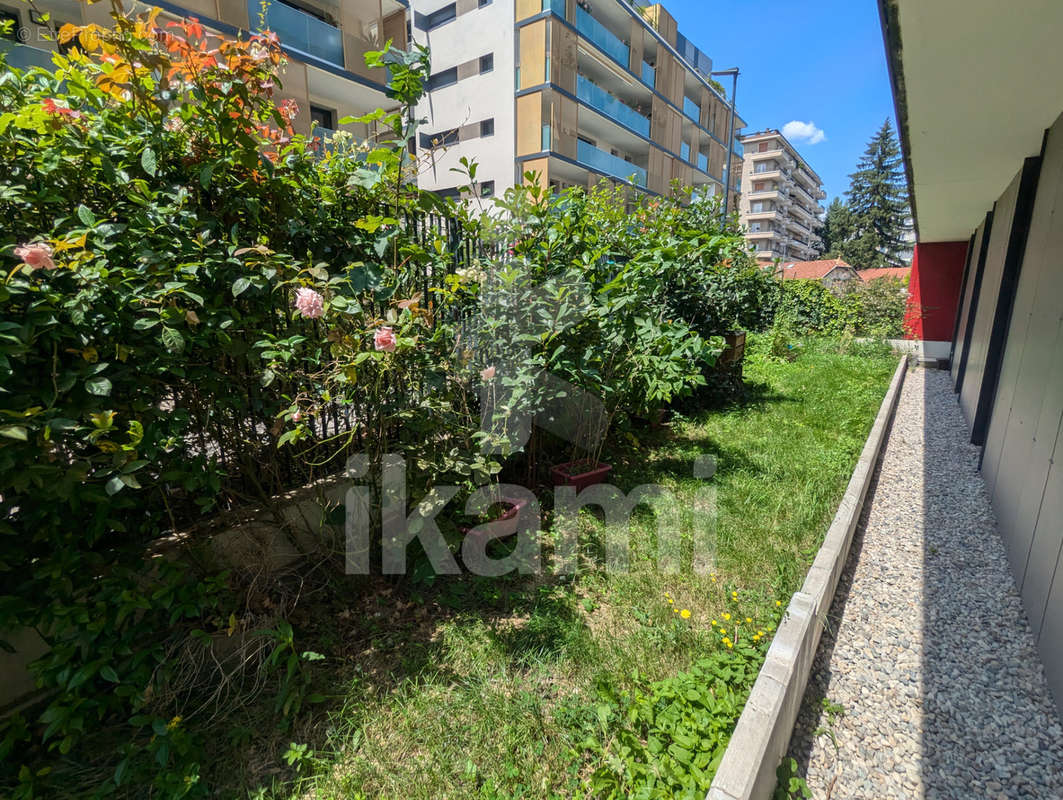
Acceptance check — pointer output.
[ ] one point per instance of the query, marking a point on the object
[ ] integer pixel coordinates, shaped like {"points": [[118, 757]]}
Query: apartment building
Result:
{"points": [[325, 40], [572, 91], [780, 203]]}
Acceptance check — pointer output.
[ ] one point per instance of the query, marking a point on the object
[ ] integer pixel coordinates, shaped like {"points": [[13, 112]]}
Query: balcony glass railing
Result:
{"points": [[592, 29], [557, 6], [691, 109], [703, 162], [684, 152], [600, 161], [546, 138], [300, 31], [597, 98], [649, 75], [23, 56]]}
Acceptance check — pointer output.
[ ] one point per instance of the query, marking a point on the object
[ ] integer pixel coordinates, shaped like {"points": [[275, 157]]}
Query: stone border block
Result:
{"points": [[762, 735]]}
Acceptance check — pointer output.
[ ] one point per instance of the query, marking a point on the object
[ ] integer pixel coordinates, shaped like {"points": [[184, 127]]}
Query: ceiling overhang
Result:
{"points": [[976, 83]]}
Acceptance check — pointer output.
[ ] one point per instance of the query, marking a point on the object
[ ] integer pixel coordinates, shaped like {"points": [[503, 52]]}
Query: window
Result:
{"points": [[322, 117], [487, 189], [762, 147], [757, 207], [9, 16], [758, 186], [754, 227], [482, 3], [487, 63], [452, 194], [684, 152], [441, 139], [309, 10], [447, 77], [443, 15], [487, 127]]}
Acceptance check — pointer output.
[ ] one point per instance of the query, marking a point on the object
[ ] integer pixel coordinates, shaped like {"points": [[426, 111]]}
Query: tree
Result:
{"points": [[878, 205], [836, 229]]}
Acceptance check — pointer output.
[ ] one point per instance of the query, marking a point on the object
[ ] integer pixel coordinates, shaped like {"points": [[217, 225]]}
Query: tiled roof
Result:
{"points": [[885, 272], [813, 270]]}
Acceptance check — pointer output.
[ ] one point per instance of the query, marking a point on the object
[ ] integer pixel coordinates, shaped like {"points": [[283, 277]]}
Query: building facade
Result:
{"points": [[571, 92], [325, 42], [780, 205], [986, 285]]}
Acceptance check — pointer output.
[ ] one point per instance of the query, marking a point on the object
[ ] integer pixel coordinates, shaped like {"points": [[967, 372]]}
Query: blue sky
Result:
{"points": [[819, 61]]}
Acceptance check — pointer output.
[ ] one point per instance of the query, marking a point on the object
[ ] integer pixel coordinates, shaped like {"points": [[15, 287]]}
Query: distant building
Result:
{"points": [[780, 198], [572, 91], [831, 272]]}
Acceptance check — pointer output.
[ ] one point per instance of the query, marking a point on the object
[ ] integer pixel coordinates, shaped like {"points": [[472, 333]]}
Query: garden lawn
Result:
{"points": [[520, 687]]}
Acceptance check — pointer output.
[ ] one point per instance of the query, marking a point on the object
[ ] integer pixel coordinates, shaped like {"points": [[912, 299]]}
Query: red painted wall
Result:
{"points": [[934, 290]]}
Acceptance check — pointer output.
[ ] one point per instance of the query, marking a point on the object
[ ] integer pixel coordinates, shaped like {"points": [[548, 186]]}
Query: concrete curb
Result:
{"points": [[762, 736]]}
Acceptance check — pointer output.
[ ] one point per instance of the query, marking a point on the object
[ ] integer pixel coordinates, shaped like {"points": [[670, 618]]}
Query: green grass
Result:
{"points": [[473, 687]]}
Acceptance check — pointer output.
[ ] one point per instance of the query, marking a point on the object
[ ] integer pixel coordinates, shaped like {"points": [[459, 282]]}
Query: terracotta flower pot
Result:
{"points": [[580, 474], [510, 515]]}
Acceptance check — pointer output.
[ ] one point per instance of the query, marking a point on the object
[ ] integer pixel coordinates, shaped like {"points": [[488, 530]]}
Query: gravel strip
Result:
{"points": [[927, 649]]}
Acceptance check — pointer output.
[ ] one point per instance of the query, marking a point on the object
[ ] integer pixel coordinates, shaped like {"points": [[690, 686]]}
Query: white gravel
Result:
{"points": [[927, 648]]}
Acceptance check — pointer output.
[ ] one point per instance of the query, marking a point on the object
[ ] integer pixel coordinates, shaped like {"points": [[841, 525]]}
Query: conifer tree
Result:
{"points": [[878, 205]]}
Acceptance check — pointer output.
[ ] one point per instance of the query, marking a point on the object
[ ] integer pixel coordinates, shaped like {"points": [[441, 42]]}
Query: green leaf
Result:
{"points": [[172, 340], [148, 161], [144, 323], [99, 386], [205, 174], [114, 485], [14, 432], [108, 674], [85, 215], [240, 286]]}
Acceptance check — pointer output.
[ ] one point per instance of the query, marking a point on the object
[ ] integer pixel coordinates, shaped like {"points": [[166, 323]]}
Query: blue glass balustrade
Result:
{"points": [[608, 164], [649, 75], [703, 162], [300, 31], [23, 56], [557, 6], [597, 98], [592, 29], [692, 109]]}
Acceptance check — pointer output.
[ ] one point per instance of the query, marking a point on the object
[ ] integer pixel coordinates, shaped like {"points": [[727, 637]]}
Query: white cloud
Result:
{"points": [[807, 132]]}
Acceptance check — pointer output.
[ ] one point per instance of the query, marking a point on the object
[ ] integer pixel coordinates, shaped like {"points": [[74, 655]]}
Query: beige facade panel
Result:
{"points": [[662, 21], [527, 8], [533, 55], [395, 29], [235, 13], [541, 168], [563, 56], [636, 47], [529, 124], [564, 122]]}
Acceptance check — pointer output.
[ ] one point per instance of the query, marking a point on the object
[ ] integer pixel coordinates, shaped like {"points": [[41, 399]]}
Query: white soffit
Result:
{"points": [[983, 79]]}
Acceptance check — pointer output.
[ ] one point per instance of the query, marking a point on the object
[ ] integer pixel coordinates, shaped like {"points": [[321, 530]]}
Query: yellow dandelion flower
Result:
{"points": [[675, 610], [726, 617], [670, 601], [685, 613], [760, 633], [778, 603], [713, 578], [734, 595], [714, 623], [729, 645], [749, 620], [756, 637]]}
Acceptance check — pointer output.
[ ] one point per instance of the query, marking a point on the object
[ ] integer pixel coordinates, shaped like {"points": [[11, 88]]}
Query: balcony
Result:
{"points": [[23, 56], [600, 100], [300, 32], [594, 31], [692, 109], [649, 75], [556, 6], [600, 161], [757, 155]]}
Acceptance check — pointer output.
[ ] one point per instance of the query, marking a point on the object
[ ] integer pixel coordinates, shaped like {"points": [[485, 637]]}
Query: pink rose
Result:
{"points": [[384, 339], [309, 303], [488, 373], [36, 256]]}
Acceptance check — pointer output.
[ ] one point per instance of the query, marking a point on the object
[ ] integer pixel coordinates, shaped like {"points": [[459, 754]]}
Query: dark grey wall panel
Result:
{"points": [[985, 307], [1023, 457], [965, 303], [1022, 431]]}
